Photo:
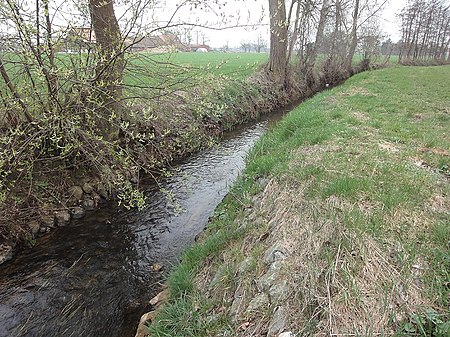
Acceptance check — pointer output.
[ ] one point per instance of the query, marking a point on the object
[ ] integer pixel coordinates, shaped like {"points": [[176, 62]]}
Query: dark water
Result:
{"points": [[94, 277]]}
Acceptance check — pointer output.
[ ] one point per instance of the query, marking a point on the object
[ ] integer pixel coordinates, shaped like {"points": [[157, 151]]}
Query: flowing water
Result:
{"points": [[94, 277]]}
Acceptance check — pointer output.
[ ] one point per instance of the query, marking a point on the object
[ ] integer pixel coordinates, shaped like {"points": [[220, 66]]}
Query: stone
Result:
{"points": [[271, 276], [88, 188], [218, 276], [160, 298], [263, 182], [278, 322], [259, 302], [286, 334], [88, 204], [78, 212], [236, 306], [75, 194], [142, 330], [134, 178], [62, 217], [102, 191], [279, 292], [274, 253], [97, 199], [48, 221], [34, 227], [245, 266], [157, 267], [148, 317], [6, 253], [255, 199]]}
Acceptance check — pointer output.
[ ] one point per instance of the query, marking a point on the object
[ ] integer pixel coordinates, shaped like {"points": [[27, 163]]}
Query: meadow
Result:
{"points": [[144, 72], [181, 70], [234, 65]]}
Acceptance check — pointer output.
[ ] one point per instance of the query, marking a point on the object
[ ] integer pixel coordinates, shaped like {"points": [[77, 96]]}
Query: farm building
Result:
{"points": [[161, 43]]}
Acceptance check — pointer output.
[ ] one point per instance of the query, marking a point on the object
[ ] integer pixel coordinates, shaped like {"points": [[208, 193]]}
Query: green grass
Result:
{"points": [[380, 144], [183, 70], [177, 65], [234, 65], [146, 75]]}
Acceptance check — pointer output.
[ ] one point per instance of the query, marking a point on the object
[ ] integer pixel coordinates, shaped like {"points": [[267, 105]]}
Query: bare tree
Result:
{"points": [[246, 46], [260, 43], [109, 69], [320, 31], [425, 31], [353, 36], [310, 27], [278, 40]]}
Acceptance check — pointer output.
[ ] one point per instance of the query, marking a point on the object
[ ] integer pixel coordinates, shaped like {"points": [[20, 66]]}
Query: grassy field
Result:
{"points": [[339, 225], [146, 74], [235, 65], [178, 70]]}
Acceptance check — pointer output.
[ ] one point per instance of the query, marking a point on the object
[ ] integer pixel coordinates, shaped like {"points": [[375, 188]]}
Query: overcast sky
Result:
{"points": [[234, 37], [235, 12]]}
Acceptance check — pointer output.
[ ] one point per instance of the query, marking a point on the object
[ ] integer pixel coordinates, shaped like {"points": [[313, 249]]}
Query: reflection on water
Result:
{"points": [[94, 277]]}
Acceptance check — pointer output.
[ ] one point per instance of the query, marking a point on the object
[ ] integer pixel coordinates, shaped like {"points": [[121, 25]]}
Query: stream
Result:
{"points": [[94, 277]]}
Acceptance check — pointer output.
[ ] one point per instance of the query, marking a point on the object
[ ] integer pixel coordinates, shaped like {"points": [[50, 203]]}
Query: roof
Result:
{"points": [[163, 40], [84, 33]]}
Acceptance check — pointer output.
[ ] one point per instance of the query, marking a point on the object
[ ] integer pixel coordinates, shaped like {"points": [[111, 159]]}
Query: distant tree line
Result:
{"points": [[259, 45], [425, 30]]}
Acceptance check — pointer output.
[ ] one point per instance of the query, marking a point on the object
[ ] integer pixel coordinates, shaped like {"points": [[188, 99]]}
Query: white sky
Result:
{"points": [[234, 36], [389, 22], [235, 12]]}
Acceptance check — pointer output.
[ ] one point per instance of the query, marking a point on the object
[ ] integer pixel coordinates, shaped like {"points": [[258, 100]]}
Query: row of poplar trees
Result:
{"points": [[425, 30]]}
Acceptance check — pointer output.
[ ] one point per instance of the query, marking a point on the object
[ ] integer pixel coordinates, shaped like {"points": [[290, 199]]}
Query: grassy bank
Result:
{"points": [[339, 225]]}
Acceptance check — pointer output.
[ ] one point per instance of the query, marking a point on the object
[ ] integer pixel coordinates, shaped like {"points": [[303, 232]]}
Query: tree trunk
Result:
{"points": [[109, 69], [14, 92], [278, 40], [52, 78], [320, 31], [294, 36], [354, 36], [334, 52]]}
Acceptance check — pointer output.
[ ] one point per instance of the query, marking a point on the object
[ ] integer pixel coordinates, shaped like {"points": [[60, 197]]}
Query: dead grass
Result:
{"points": [[388, 147], [361, 116], [312, 155], [343, 279], [439, 203], [374, 298], [353, 91]]}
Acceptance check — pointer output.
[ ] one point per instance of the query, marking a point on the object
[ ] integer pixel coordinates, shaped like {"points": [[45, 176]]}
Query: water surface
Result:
{"points": [[94, 277]]}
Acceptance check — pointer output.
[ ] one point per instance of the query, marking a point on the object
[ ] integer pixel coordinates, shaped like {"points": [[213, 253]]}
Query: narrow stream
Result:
{"points": [[94, 277]]}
